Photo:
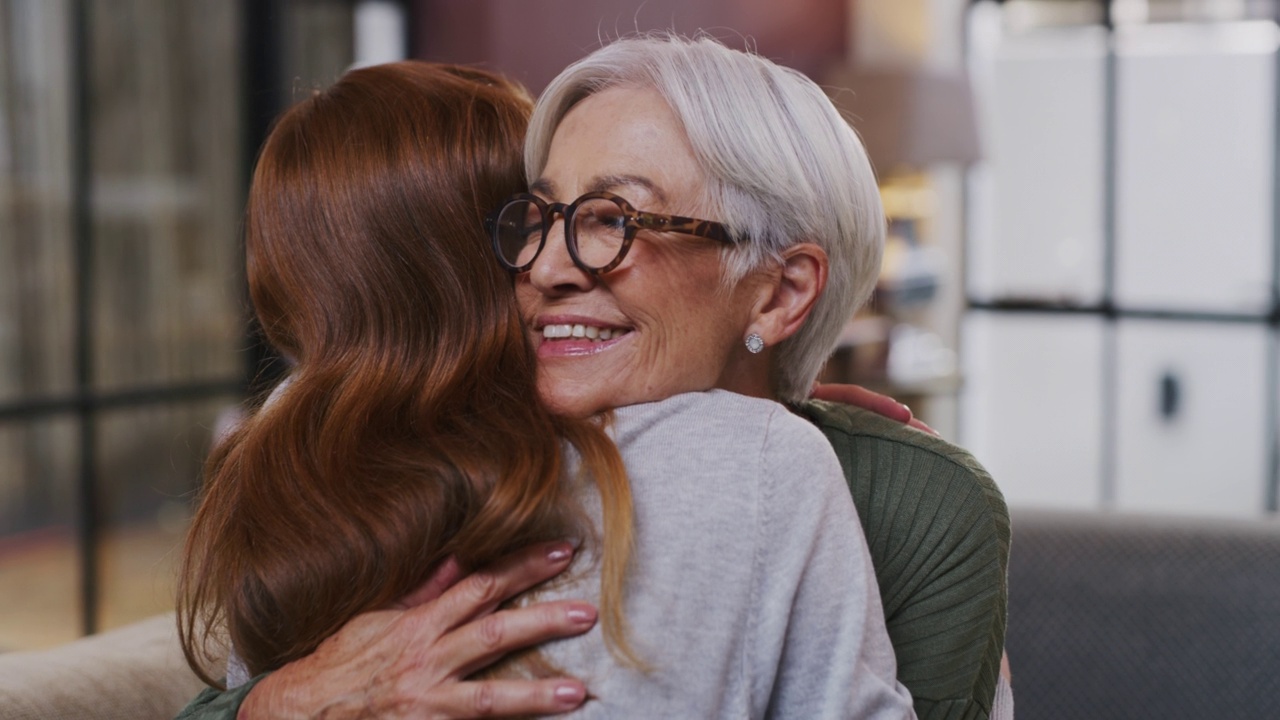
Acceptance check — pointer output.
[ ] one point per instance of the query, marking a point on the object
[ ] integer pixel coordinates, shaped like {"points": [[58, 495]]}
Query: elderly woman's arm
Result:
{"points": [[938, 531], [885, 406], [412, 661]]}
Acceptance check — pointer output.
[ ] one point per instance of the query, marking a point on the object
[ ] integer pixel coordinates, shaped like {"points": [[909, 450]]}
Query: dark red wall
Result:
{"points": [[532, 40]]}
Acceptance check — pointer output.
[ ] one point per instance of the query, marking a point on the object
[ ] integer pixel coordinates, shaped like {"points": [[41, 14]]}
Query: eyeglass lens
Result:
{"points": [[519, 232], [599, 232]]}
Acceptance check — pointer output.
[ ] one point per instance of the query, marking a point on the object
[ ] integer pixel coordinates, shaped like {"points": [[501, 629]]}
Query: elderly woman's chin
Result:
{"points": [[579, 389], [566, 397]]}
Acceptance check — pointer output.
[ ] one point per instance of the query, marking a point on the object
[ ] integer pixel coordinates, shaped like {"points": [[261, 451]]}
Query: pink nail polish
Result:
{"points": [[570, 694], [559, 554], [581, 615]]}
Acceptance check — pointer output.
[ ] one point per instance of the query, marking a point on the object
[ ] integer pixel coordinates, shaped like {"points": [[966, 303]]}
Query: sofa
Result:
{"points": [[1115, 616], [1109, 617]]}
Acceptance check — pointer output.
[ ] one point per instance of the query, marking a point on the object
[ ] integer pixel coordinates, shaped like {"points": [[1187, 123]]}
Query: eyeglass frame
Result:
{"points": [[635, 221]]}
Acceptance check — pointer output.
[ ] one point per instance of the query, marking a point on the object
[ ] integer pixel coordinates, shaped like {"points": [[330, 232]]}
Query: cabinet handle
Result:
{"points": [[1170, 396]]}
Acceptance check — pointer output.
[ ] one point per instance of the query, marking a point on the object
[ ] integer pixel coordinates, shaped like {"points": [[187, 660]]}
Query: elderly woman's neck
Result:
{"points": [[749, 377]]}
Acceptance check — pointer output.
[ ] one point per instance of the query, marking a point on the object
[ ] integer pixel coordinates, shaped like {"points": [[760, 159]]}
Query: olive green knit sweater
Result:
{"points": [[938, 530]]}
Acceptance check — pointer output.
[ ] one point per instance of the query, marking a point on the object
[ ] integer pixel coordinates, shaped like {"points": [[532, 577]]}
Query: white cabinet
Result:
{"points": [[1195, 157], [1032, 405], [1158, 397], [1038, 198], [1191, 417]]}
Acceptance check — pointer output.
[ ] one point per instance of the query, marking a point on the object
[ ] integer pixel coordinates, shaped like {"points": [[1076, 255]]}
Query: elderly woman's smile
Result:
{"points": [[659, 323], [570, 332]]}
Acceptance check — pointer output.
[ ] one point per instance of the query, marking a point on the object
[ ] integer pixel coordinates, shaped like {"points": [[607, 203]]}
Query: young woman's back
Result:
{"points": [[411, 430]]}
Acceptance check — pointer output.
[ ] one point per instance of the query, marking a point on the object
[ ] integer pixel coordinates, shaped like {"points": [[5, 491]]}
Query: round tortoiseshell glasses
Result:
{"points": [[599, 229]]}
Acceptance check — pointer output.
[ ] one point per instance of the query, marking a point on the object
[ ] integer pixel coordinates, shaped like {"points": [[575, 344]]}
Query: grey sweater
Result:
{"points": [[751, 593]]}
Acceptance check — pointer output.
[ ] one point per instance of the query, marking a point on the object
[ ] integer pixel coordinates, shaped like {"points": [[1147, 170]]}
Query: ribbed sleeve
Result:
{"points": [[213, 704], [938, 530]]}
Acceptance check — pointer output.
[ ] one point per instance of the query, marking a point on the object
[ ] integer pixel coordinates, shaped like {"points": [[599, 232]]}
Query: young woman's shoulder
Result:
{"points": [[719, 414], [750, 442]]}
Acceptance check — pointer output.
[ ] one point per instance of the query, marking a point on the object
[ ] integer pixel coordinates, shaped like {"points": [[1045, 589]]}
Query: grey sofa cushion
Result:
{"points": [[1125, 617], [133, 673]]}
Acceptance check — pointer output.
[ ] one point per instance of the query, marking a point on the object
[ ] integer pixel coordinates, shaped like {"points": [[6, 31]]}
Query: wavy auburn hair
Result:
{"points": [[412, 428]]}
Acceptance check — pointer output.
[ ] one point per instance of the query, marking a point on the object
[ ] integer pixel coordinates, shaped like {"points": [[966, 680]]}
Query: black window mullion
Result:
{"points": [[262, 33], [88, 525]]}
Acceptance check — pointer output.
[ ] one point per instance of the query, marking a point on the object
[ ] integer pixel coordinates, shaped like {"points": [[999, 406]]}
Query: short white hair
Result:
{"points": [[783, 167]]}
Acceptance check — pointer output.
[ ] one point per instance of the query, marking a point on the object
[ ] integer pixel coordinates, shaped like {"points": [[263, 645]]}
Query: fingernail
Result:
{"points": [[581, 614], [571, 694], [559, 553]]}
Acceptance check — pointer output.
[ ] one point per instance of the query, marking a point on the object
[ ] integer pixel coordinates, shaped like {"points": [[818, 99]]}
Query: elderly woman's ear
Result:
{"points": [[787, 291]]}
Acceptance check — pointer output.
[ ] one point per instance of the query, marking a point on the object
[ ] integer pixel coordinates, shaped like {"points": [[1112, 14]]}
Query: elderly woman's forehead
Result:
{"points": [[622, 136], [610, 115]]}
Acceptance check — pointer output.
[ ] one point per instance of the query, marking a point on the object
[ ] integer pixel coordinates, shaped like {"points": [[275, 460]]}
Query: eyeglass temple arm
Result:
{"points": [[690, 226]]}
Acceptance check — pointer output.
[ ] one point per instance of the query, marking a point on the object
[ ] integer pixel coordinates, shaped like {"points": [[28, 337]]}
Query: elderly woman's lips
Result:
{"points": [[564, 341]]}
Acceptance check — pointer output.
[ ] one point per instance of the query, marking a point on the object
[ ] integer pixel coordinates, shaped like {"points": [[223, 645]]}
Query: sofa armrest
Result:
{"points": [[135, 672]]}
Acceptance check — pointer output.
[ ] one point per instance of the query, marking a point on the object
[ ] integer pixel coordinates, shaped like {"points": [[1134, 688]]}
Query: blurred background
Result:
{"points": [[1080, 284]]}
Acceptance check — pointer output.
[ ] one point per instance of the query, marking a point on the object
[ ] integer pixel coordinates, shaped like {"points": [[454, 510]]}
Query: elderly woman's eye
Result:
{"points": [[602, 217]]}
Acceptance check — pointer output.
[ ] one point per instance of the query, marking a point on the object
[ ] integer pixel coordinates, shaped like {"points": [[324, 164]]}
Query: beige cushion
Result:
{"points": [[132, 673]]}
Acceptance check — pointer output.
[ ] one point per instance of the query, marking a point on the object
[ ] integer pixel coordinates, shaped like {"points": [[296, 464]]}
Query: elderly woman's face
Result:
{"points": [[670, 326]]}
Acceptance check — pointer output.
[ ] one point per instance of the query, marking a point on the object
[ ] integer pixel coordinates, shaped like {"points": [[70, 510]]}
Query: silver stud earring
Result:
{"points": [[755, 343]]}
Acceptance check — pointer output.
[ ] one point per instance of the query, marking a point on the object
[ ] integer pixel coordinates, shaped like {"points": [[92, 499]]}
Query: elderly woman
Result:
{"points": [[762, 228], [699, 218]]}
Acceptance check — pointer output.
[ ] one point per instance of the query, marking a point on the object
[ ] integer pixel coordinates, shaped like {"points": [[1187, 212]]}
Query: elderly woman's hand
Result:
{"points": [[413, 660], [859, 396]]}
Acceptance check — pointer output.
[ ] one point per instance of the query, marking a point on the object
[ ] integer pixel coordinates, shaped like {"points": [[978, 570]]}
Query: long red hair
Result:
{"points": [[412, 428]]}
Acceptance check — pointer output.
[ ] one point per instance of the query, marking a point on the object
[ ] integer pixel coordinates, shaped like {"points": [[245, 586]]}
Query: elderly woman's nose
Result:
{"points": [[553, 270]]}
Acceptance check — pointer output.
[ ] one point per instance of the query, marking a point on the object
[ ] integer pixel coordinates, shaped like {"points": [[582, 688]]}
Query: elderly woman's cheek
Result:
{"points": [[682, 329]]}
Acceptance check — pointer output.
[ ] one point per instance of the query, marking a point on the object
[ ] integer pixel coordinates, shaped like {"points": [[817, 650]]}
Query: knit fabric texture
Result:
{"points": [[938, 531]]}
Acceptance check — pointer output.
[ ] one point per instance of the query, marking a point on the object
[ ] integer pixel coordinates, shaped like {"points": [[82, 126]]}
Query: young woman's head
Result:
{"points": [[368, 200], [411, 428]]}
